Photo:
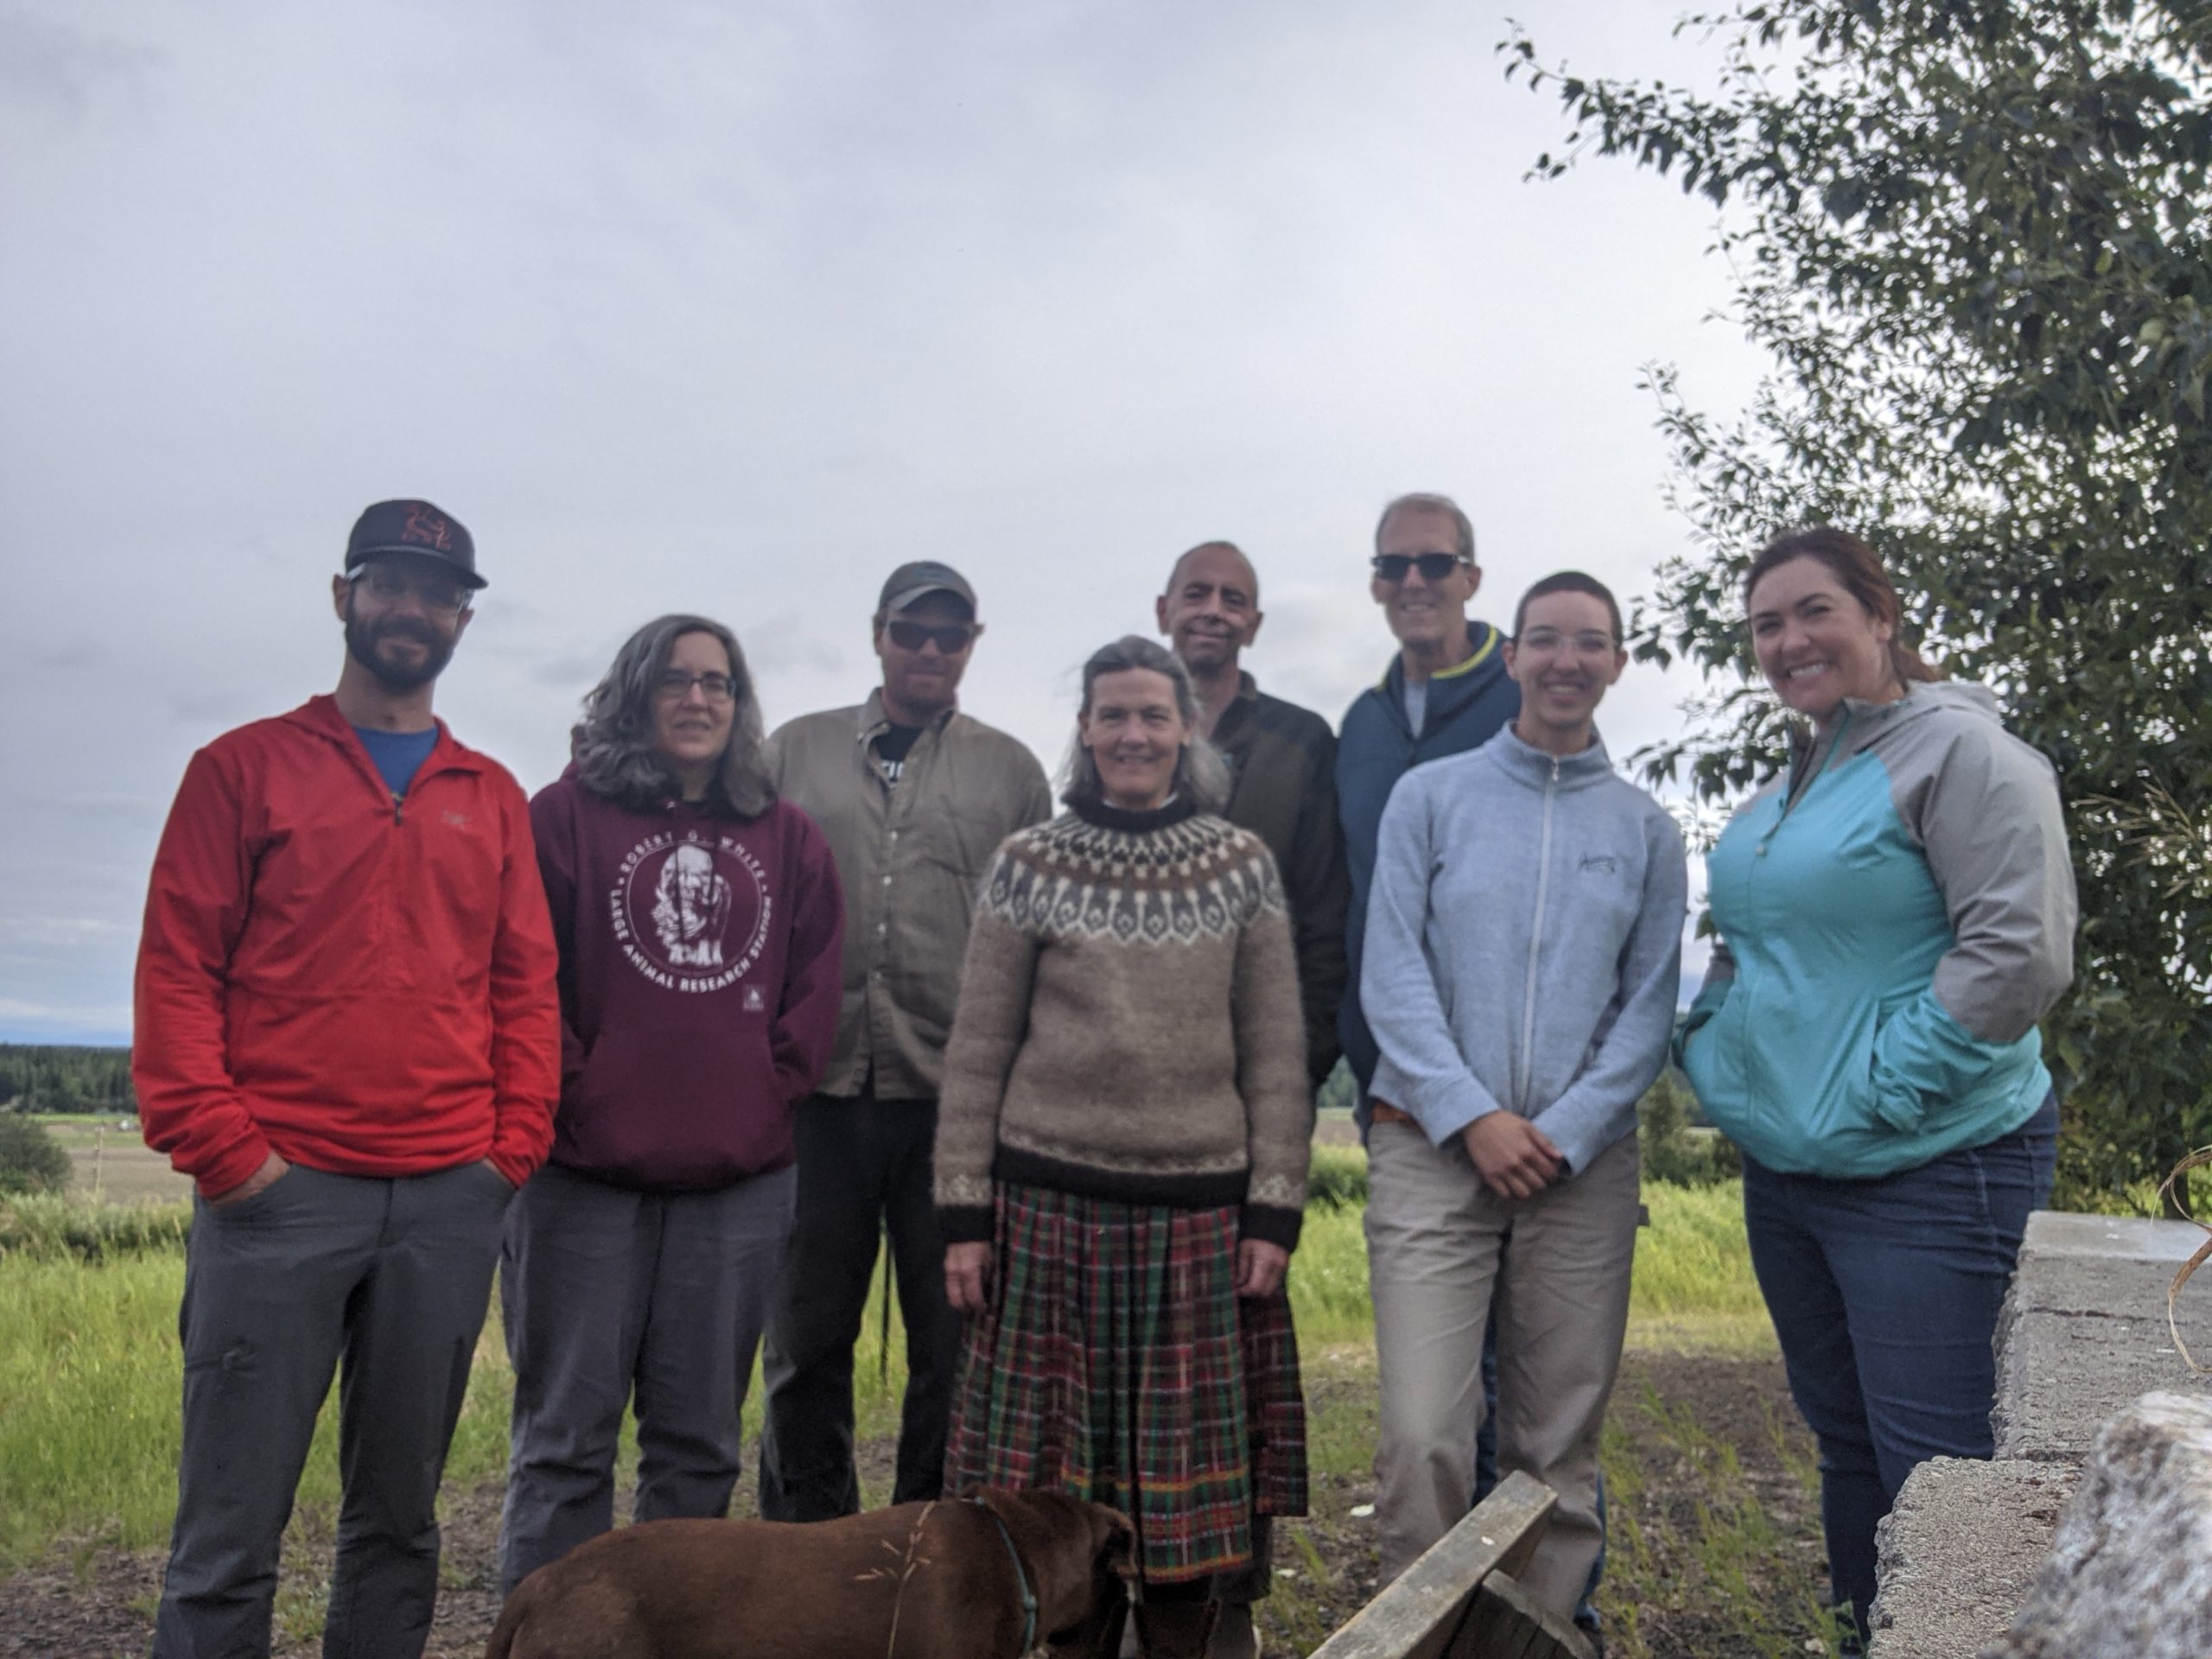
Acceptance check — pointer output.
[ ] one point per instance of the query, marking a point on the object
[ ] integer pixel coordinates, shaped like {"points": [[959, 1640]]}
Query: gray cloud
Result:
{"points": [[732, 309], [58, 74]]}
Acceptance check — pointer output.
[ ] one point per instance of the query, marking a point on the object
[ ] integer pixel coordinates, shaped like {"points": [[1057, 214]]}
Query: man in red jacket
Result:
{"points": [[348, 1034]]}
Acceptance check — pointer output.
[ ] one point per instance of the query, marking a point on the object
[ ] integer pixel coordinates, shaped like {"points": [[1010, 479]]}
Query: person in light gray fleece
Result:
{"points": [[1522, 955]]}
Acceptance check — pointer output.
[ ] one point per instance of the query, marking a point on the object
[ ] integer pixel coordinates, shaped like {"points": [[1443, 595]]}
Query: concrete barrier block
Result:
{"points": [[2129, 1575], [1958, 1553], [2083, 1331]]}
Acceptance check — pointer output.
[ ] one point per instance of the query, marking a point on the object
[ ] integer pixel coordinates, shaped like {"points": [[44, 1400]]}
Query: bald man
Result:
{"points": [[1282, 759]]}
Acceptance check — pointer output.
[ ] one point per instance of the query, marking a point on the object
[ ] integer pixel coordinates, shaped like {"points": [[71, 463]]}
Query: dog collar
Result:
{"points": [[1020, 1577]]}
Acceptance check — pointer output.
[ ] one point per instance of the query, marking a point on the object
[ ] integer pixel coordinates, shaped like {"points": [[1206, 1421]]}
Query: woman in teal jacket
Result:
{"points": [[1895, 914]]}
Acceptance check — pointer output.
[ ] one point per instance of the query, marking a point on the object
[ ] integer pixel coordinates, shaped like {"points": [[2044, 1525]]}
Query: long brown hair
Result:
{"points": [[612, 744], [1859, 568]]}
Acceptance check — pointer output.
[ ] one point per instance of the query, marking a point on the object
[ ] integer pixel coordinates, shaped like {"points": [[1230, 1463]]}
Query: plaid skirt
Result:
{"points": [[1117, 1363]]}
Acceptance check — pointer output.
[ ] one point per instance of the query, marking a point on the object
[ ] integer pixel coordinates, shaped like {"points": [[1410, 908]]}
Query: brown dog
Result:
{"points": [[941, 1581]]}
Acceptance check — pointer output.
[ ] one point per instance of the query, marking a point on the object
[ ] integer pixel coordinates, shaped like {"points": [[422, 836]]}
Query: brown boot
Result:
{"points": [[1174, 1629]]}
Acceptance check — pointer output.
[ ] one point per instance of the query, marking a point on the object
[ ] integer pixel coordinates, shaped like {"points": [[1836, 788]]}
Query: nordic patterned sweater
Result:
{"points": [[1128, 1025]]}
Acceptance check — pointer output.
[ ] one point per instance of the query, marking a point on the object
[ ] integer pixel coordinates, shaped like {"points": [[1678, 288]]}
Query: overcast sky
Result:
{"points": [[733, 308]]}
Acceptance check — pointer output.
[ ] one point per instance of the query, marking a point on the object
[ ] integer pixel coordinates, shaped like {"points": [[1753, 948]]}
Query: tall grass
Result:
{"points": [[1694, 1288], [54, 1226], [1328, 1281], [90, 1373], [89, 1378], [92, 1378]]}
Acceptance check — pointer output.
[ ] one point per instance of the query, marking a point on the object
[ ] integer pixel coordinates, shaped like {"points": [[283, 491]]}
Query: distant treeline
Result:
{"points": [[52, 1077]]}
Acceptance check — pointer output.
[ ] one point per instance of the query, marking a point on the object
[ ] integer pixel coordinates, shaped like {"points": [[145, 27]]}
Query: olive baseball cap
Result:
{"points": [[911, 582]]}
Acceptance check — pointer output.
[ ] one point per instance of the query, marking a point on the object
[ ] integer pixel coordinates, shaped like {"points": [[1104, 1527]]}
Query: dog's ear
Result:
{"points": [[1113, 1542]]}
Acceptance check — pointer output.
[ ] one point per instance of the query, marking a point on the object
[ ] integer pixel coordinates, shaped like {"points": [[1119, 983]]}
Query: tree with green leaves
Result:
{"points": [[1976, 237], [31, 1159]]}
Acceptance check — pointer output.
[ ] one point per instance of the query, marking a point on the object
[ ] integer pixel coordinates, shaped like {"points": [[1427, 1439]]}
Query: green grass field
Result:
{"points": [[90, 1373], [111, 1163]]}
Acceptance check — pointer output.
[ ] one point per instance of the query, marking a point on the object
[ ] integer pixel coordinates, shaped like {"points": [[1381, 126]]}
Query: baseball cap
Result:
{"points": [[917, 580], [415, 527]]}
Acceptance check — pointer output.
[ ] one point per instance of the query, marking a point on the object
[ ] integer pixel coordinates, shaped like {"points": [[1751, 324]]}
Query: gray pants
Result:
{"points": [[608, 1292], [1435, 1240], [389, 1278]]}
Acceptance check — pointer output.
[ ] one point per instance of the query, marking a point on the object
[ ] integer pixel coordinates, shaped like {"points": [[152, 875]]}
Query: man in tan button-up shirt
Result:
{"points": [[914, 796]]}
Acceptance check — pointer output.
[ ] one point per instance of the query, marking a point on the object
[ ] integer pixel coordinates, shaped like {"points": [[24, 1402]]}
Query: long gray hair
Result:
{"points": [[613, 742], [1200, 773]]}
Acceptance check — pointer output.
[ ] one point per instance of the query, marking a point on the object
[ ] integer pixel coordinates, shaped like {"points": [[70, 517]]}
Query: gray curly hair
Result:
{"points": [[613, 742], [1200, 773]]}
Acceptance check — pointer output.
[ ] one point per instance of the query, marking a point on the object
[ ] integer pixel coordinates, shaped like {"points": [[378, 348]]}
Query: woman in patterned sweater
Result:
{"points": [[1121, 1148]]}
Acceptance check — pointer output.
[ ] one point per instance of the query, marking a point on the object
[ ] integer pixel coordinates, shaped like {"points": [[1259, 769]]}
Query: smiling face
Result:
{"points": [[403, 614], [1817, 644], [1425, 615], [1136, 734], [1565, 658], [691, 728], [1210, 611]]}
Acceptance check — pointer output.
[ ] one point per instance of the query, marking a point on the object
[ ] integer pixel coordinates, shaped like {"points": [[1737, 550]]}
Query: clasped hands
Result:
{"points": [[1515, 1158]]}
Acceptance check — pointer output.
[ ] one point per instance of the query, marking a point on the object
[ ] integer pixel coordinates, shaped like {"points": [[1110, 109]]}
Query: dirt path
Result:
{"points": [[1714, 1535]]}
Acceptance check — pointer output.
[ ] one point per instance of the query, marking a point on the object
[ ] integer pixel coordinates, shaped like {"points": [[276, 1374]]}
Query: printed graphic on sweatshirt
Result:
{"points": [[691, 910]]}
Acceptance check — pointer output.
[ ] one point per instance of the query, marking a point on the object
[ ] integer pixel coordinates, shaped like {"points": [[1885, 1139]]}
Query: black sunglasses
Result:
{"points": [[953, 638], [1434, 567]]}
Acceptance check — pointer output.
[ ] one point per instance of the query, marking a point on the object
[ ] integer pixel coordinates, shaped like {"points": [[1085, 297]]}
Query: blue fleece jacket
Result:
{"points": [[1524, 944], [1467, 706]]}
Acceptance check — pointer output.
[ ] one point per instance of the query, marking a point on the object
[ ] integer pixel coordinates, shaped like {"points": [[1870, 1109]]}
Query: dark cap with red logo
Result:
{"points": [[412, 527]]}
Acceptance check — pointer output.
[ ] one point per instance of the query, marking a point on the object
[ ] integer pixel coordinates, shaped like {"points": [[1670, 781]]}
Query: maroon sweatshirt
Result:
{"points": [[700, 979]]}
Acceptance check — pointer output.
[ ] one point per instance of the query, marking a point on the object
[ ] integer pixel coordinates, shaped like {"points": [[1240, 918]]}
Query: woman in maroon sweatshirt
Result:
{"points": [[699, 921]]}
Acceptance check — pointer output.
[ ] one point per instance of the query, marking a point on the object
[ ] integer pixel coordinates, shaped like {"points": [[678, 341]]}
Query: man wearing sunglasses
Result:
{"points": [[1447, 691], [914, 796], [348, 1034]]}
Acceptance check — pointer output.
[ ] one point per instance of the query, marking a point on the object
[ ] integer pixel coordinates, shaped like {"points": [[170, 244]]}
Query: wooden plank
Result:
{"points": [[1418, 1617], [1506, 1622]]}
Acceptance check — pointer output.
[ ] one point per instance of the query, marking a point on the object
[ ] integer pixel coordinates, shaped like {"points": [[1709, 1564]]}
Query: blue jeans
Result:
{"points": [[1885, 1294]]}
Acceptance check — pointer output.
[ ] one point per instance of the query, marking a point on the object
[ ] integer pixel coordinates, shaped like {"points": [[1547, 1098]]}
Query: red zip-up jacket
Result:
{"points": [[363, 987]]}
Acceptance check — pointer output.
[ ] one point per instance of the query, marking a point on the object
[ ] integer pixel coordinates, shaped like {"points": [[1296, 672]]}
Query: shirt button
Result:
{"points": [[886, 881]]}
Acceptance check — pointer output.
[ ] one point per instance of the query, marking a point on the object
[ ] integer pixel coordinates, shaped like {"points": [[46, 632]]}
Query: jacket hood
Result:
{"points": [[1867, 725]]}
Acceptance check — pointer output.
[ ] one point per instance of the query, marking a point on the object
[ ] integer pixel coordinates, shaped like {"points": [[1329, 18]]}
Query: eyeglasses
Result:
{"points": [[1546, 641], [391, 585], [1434, 567], [953, 638], [676, 685]]}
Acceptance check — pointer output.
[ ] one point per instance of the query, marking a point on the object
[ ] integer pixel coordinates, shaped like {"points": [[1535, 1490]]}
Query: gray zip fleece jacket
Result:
{"points": [[1523, 944]]}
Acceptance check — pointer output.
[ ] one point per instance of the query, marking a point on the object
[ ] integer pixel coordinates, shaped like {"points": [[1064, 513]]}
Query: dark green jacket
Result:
{"points": [[1283, 760]]}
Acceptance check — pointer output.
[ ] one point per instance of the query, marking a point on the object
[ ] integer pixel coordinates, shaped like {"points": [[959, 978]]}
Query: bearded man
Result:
{"points": [[349, 1035]]}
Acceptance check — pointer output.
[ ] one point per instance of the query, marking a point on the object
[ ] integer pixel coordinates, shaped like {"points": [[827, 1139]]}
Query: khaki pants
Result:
{"points": [[1437, 1252]]}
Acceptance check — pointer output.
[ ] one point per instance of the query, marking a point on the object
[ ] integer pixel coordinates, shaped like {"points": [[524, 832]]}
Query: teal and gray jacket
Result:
{"points": [[1524, 944], [1895, 914]]}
